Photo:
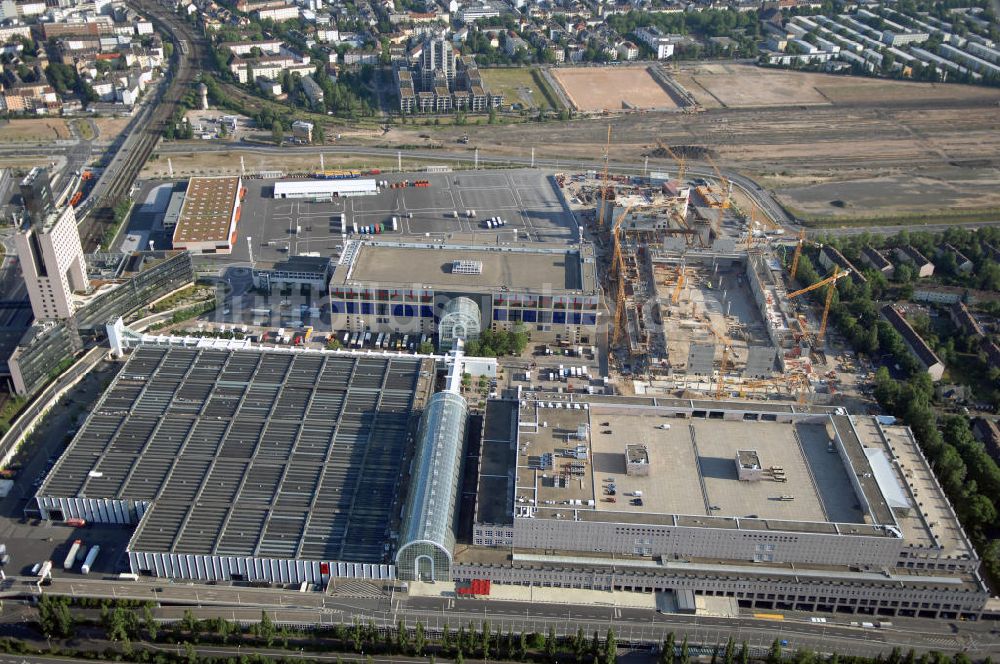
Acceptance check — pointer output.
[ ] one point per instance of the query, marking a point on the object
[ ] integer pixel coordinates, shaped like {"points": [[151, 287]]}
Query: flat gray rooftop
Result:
{"points": [[525, 267], [499, 454], [693, 468], [529, 201], [252, 452]]}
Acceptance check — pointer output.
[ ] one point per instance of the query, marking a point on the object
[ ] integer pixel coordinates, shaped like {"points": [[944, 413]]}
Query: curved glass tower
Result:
{"points": [[460, 320], [428, 532]]}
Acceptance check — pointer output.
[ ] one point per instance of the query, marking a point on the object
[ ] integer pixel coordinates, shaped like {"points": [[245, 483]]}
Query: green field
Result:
{"points": [[519, 85]]}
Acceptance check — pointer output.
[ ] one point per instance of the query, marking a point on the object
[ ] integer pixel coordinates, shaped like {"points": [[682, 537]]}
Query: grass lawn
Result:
{"points": [[518, 85], [85, 129]]}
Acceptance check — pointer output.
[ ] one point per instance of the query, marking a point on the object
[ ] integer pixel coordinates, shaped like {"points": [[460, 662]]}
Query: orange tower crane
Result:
{"points": [[831, 280], [618, 270]]}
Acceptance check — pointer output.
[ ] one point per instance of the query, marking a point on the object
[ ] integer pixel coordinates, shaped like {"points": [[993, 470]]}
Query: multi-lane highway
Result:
{"points": [[631, 624]]}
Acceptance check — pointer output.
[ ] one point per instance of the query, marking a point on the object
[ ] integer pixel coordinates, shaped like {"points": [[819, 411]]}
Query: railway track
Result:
{"points": [[139, 145]]}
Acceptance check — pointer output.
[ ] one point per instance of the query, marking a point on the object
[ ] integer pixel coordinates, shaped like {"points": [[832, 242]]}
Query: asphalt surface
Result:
{"points": [[637, 625], [765, 201]]}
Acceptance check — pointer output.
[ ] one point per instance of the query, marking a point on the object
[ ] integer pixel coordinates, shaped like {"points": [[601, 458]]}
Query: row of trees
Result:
{"points": [[498, 343], [127, 623]]}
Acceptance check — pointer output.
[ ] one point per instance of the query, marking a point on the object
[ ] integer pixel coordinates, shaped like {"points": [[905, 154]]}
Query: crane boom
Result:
{"points": [[681, 162], [604, 181], [837, 274], [723, 181], [618, 270], [798, 252]]}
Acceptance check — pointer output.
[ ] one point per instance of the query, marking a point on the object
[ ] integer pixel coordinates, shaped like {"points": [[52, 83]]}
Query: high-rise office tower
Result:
{"points": [[36, 192], [49, 249]]}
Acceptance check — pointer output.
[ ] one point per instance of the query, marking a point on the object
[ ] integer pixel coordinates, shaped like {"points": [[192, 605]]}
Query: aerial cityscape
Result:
{"points": [[562, 331]]}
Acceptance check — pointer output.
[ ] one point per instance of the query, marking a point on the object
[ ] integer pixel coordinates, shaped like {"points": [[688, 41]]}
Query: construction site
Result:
{"points": [[696, 284]]}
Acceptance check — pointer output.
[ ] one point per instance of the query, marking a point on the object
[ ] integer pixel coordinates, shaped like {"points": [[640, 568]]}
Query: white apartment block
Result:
{"points": [[656, 40], [278, 14], [52, 263]]}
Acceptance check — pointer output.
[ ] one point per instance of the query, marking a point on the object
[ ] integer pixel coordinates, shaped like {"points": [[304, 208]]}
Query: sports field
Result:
{"points": [[517, 85], [612, 88]]}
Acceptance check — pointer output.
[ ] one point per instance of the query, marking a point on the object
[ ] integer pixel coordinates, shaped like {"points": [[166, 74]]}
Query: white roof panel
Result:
{"points": [[321, 187]]}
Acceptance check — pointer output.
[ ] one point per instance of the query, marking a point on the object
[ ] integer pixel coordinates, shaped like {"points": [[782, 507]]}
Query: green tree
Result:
{"points": [[685, 654], [595, 647], [265, 629], [610, 648], [744, 653], [579, 645], [774, 654], [730, 655], [485, 638], [278, 134], [459, 658], [446, 639], [550, 645], [149, 621], [54, 617], [402, 638], [669, 650], [189, 622], [419, 639]]}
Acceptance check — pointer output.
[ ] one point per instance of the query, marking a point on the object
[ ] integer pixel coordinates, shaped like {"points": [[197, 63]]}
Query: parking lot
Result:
{"points": [[527, 200], [30, 541]]}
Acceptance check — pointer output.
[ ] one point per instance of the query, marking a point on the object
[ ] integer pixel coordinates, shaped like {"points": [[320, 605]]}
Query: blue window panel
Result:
{"points": [[403, 310], [590, 319], [336, 307], [426, 312], [576, 319], [529, 316], [366, 307], [499, 314], [352, 307], [559, 317]]}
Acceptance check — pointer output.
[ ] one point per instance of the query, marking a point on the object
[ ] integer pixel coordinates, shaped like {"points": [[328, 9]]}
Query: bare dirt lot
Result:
{"points": [[734, 86], [109, 128], [730, 85], [612, 88], [227, 162], [933, 190], [33, 131]]}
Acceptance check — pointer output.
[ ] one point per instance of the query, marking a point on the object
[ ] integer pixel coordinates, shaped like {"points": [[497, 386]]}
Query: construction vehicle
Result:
{"points": [[831, 280]]}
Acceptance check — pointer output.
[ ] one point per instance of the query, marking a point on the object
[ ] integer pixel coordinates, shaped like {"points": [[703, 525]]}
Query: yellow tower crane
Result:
{"points": [[726, 345], [798, 252], [723, 181], [831, 280], [681, 276], [681, 161], [618, 270]]}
